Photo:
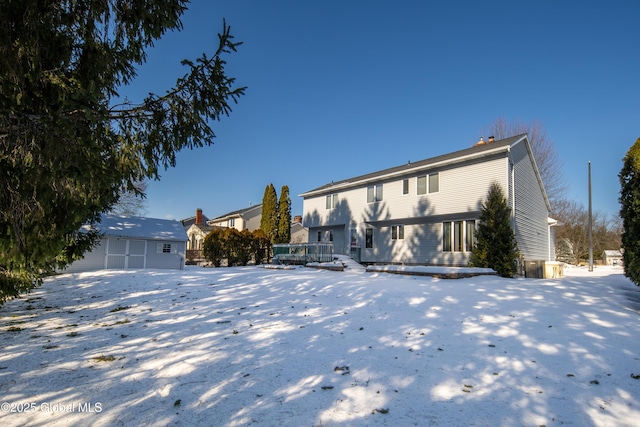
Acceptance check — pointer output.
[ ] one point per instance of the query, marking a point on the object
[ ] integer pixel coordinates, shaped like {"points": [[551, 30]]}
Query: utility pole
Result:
{"points": [[590, 225]]}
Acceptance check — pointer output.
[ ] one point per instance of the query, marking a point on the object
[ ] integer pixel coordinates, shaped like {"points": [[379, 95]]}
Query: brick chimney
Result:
{"points": [[492, 138], [198, 216], [298, 219]]}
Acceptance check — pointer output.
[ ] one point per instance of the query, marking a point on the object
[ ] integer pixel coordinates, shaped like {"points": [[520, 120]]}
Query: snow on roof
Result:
{"points": [[144, 228], [611, 253]]}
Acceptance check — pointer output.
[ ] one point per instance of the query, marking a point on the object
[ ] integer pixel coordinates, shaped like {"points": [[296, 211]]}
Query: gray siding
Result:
{"points": [[531, 215], [463, 187], [461, 193], [157, 259], [123, 253], [93, 260]]}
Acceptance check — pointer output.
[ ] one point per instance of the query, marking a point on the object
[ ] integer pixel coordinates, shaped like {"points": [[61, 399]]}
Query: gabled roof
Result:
{"points": [[141, 228], [476, 151], [192, 219], [236, 214], [204, 228], [612, 253]]}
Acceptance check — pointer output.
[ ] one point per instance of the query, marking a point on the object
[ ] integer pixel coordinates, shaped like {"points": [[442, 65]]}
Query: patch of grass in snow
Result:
{"points": [[103, 358], [14, 329], [120, 308]]}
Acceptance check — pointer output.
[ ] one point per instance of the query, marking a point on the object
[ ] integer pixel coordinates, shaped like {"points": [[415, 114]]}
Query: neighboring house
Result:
{"points": [[612, 257], [196, 230], [135, 242], [299, 233], [200, 218], [243, 219], [427, 212]]}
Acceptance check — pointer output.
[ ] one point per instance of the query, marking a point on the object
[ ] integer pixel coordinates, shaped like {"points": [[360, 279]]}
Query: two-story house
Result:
{"points": [[426, 212], [243, 219]]}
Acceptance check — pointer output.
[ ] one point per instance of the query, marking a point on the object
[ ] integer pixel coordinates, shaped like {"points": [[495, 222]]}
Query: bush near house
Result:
{"points": [[236, 247]]}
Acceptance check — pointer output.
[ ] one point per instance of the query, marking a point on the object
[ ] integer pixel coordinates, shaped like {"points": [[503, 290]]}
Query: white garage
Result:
{"points": [[134, 243]]}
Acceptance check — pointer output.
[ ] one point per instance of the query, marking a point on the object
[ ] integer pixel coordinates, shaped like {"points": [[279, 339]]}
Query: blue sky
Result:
{"points": [[341, 88]]}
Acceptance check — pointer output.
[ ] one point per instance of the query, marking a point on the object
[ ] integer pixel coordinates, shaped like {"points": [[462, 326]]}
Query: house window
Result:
{"points": [[405, 186], [434, 183], [422, 184], [319, 236], [374, 193], [458, 236], [397, 232], [429, 182], [446, 237], [354, 237], [331, 202], [232, 222], [470, 235], [368, 238], [331, 235]]}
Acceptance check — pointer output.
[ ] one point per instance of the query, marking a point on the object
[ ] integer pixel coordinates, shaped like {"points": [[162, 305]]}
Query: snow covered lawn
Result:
{"points": [[307, 347]]}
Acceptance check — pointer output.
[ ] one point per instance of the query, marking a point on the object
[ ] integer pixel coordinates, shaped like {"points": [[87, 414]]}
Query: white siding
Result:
{"points": [[461, 193], [531, 215], [463, 187]]}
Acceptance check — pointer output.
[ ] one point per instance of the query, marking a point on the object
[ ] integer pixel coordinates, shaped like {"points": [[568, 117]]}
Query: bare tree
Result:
{"points": [[573, 229], [131, 201], [544, 152]]}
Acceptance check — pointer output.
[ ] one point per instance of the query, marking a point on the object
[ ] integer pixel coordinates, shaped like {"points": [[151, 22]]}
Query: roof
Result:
{"points": [[236, 214], [141, 228], [457, 156], [612, 253], [192, 219], [204, 228]]}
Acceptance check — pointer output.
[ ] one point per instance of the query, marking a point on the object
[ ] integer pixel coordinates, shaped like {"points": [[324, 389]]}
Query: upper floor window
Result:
{"points": [[429, 182], [434, 182], [331, 202], [405, 186], [374, 193], [422, 184], [232, 222]]}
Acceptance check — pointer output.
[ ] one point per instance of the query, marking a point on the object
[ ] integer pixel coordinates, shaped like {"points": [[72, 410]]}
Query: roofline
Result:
{"points": [[433, 162], [235, 214]]}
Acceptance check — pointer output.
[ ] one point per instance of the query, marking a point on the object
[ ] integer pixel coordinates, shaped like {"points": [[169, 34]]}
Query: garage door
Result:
{"points": [[126, 253]]}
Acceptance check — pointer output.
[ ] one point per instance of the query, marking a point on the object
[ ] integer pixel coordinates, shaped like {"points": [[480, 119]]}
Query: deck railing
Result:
{"points": [[302, 253]]}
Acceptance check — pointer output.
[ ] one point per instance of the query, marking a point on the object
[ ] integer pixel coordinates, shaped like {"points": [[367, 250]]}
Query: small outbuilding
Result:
{"points": [[612, 257], [134, 243]]}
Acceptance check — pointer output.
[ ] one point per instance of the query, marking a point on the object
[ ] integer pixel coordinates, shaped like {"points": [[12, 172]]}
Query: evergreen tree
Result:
{"points": [[496, 245], [630, 212], [284, 216], [269, 220], [69, 138]]}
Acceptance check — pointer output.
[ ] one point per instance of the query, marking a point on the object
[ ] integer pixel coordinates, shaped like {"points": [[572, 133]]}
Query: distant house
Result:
{"points": [[299, 233], [188, 222], [243, 219], [135, 242], [612, 257], [196, 231], [427, 212]]}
